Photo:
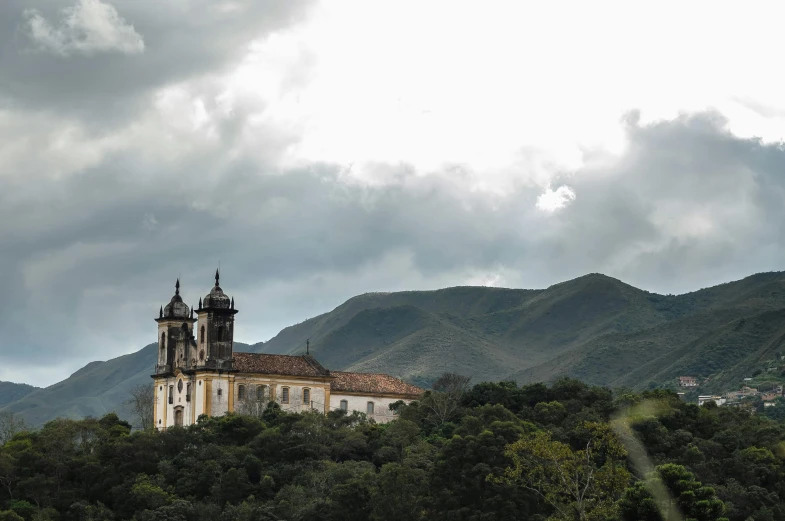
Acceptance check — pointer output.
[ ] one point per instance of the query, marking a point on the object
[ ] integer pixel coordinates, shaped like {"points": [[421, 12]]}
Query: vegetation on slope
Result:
{"points": [[504, 452], [594, 328]]}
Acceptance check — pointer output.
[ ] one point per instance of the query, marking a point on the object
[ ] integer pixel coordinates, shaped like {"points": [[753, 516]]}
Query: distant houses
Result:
{"points": [[688, 381], [719, 400]]}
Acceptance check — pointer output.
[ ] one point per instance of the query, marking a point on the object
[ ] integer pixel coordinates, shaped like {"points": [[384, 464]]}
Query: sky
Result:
{"points": [[319, 150]]}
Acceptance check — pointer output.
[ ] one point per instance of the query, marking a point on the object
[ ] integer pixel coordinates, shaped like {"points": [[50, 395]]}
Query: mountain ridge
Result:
{"points": [[594, 327]]}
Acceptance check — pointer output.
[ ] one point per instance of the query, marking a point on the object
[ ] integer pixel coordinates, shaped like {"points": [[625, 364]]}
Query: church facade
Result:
{"points": [[198, 372]]}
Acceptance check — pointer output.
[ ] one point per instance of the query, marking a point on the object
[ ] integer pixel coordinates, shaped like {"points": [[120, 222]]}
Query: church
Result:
{"points": [[201, 374]]}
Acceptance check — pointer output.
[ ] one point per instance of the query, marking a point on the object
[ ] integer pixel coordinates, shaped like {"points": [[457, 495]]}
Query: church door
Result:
{"points": [[178, 417]]}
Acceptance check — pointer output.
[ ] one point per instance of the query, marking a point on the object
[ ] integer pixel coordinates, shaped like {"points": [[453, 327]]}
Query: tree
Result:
{"points": [[686, 496], [581, 484], [445, 400], [9, 426], [142, 403]]}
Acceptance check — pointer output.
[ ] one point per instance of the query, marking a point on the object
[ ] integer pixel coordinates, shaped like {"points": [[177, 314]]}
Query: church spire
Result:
{"points": [[217, 275], [177, 287]]}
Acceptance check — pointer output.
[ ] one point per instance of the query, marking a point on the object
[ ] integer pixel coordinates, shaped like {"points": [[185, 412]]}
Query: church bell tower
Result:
{"points": [[176, 343], [215, 325]]}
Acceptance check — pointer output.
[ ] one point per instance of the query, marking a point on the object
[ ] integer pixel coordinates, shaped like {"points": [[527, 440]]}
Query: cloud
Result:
{"points": [[89, 27], [551, 199], [683, 206], [120, 173], [182, 41]]}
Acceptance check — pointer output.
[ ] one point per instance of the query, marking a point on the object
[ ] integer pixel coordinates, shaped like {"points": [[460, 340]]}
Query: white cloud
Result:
{"points": [[89, 27], [552, 200]]}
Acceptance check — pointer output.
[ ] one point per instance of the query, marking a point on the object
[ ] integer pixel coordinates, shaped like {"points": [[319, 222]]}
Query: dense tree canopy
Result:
{"points": [[502, 452]]}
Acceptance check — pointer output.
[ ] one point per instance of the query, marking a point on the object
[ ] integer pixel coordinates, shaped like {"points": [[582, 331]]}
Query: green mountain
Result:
{"points": [[595, 328], [94, 390], [11, 392]]}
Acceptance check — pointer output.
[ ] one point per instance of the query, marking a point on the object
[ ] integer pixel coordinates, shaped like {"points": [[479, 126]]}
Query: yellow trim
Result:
{"points": [[274, 391], [285, 377], [231, 394], [166, 401], [208, 396], [155, 397]]}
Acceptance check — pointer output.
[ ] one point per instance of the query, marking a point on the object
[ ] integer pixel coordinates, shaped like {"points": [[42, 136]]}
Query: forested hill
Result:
{"points": [[11, 392], [495, 452], [595, 328]]}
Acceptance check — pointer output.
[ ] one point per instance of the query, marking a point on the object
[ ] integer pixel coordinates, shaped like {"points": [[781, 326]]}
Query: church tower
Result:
{"points": [[194, 375], [176, 343], [216, 329]]}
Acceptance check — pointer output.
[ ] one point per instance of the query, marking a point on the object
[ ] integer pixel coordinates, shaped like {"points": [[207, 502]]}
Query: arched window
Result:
{"points": [[241, 392], [284, 395], [163, 340], [171, 394], [369, 410], [219, 334], [201, 335], [307, 397], [260, 390], [344, 405]]}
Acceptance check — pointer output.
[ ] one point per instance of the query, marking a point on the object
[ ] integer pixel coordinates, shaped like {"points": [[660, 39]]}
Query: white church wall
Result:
{"points": [[359, 403], [220, 395]]}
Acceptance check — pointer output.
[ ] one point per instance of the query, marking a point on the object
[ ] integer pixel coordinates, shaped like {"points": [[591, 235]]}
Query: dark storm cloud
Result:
{"points": [[105, 200], [687, 204], [181, 40]]}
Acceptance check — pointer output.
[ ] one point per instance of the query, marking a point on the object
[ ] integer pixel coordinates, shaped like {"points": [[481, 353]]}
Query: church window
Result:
{"points": [[179, 386], [220, 391], [201, 354], [163, 340], [284, 395], [171, 394], [201, 336], [241, 392], [188, 392], [260, 392], [344, 405], [307, 396], [370, 408], [219, 334]]}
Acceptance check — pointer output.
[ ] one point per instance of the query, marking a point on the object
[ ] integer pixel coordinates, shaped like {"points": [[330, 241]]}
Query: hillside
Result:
{"points": [[94, 390], [11, 392], [595, 328]]}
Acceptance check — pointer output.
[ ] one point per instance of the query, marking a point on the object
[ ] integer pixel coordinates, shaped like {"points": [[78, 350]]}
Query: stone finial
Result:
{"points": [[177, 287], [200, 302], [192, 312], [217, 275], [161, 312], [232, 302]]}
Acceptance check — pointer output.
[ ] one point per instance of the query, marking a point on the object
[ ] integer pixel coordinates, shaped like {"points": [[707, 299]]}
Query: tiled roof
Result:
{"points": [[372, 384], [278, 364]]}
